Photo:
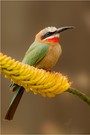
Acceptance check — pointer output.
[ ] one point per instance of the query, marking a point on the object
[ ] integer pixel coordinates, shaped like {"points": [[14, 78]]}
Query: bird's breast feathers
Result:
{"points": [[51, 57]]}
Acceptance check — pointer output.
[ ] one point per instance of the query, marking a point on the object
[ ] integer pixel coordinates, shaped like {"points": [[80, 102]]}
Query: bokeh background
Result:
{"points": [[65, 113]]}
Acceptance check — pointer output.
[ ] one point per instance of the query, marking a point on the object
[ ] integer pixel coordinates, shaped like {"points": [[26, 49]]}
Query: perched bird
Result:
{"points": [[43, 53]]}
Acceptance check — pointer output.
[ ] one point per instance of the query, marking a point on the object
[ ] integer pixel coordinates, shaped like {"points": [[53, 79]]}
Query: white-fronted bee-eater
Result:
{"points": [[43, 53]]}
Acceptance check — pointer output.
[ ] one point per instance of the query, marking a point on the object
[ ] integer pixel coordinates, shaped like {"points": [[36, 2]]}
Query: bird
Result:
{"points": [[43, 53]]}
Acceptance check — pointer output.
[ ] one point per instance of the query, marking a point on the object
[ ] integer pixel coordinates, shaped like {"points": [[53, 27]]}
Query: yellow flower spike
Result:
{"points": [[33, 79], [41, 80], [50, 85], [38, 79]]}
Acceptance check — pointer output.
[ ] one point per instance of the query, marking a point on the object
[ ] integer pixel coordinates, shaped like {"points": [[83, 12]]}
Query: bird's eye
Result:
{"points": [[48, 34]]}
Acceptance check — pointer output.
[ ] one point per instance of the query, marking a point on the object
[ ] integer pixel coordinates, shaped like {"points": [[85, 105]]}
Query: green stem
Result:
{"points": [[80, 95]]}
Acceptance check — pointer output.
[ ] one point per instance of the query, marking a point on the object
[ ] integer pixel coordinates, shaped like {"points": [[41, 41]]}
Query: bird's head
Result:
{"points": [[51, 34]]}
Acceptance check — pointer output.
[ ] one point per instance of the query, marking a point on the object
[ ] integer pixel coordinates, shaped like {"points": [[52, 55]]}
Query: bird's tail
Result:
{"points": [[14, 103]]}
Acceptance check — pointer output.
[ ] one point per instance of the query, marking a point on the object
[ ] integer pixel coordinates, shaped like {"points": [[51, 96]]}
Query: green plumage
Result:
{"points": [[34, 55]]}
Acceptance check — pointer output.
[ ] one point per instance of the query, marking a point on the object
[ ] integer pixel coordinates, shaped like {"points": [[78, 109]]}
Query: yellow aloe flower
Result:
{"points": [[37, 80]]}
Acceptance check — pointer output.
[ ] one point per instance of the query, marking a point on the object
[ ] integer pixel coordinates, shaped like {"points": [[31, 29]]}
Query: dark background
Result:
{"points": [[65, 113]]}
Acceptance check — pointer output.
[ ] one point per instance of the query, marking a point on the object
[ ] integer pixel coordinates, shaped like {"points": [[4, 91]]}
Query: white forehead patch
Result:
{"points": [[49, 29]]}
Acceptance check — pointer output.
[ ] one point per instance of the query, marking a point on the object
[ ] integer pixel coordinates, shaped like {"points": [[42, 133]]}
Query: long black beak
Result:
{"points": [[64, 28]]}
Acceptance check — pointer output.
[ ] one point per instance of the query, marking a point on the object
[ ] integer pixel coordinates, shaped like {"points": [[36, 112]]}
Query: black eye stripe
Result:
{"points": [[47, 35]]}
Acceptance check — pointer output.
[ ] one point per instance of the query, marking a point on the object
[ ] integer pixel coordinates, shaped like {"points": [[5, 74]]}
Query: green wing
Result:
{"points": [[35, 53]]}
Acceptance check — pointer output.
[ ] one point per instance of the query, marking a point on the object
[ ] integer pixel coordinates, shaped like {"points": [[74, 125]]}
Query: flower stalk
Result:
{"points": [[80, 95]]}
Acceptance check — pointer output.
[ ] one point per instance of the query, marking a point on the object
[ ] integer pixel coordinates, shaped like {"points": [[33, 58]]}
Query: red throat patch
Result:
{"points": [[54, 39]]}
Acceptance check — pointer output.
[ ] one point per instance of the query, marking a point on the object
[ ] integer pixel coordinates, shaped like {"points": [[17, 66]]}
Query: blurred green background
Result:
{"points": [[65, 113]]}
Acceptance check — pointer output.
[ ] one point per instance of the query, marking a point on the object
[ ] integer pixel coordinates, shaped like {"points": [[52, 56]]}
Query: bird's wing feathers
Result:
{"points": [[36, 52]]}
